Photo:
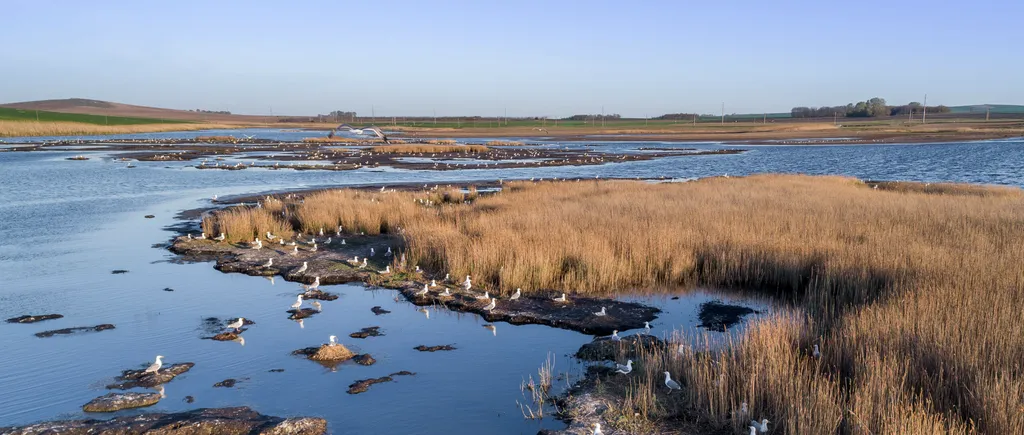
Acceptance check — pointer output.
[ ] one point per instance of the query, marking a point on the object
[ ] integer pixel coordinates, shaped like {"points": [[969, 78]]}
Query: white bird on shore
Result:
{"points": [[387, 270], [316, 283], [561, 299], [485, 296], [298, 302], [270, 236], [338, 233], [302, 268], [257, 244], [295, 250], [269, 263], [625, 368], [328, 241], [293, 243], [673, 385], [762, 426], [388, 254], [202, 236], [363, 266], [601, 313], [614, 336], [468, 284], [597, 429], [313, 249], [321, 231], [433, 283], [372, 253], [354, 260], [189, 236], [214, 199], [220, 238], [418, 270], [447, 277], [342, 241], [332, 340], [155, 367], [447, 292], [280, 241], [647, 328], [516, 295], [316, 305], [237, 324], [816, 353], [490, 306], [424, 291]]}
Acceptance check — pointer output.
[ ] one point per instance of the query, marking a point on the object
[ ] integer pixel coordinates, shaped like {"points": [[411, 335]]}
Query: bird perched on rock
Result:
{"points": [[269, 263], [155, 367], [237, 324], [219, 238], [515, 296], [485, 296], [624, 368], [601, 313], [672, 385], [298, 302], [490, 306], [423, 292], [302, 268]]}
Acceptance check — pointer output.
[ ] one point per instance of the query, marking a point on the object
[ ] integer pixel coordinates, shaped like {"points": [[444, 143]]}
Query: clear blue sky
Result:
{"points": [[549, 57]]}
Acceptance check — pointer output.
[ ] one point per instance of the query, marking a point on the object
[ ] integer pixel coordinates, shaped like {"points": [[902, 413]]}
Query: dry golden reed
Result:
{"points": [[33, 128], [421, 149], [914, 294]]}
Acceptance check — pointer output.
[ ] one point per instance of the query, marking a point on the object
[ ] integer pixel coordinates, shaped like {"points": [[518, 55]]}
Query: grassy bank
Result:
{"points": [[913, 292]]}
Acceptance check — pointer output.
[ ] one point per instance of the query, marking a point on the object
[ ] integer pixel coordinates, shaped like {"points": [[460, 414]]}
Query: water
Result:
{"points": [[67, 224]]}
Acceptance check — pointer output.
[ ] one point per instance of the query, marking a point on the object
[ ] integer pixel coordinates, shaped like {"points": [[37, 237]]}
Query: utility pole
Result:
{"points": [[924, 114], [435, 116], [694, 119], [373, 114], [723, 113], [602, 116], [765, 120], [987, 110]]}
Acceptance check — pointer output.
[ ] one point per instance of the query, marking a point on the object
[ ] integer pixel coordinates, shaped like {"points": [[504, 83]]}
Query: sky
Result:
{"points": [[524, 58]]}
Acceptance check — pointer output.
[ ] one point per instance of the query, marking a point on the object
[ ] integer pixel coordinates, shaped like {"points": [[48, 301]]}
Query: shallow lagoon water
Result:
{"points": [[67, 224]]}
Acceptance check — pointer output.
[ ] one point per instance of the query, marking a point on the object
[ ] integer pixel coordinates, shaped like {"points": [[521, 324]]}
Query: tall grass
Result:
{"points": [[243, 224], [32, 128], [419, 149], [913, 294]]}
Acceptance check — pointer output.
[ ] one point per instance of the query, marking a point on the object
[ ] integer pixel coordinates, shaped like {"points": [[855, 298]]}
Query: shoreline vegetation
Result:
{"points": [[912, 291]]}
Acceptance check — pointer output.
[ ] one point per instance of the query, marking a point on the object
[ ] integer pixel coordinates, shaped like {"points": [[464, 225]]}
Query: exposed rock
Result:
{"points": [[378, 310], [149, 216], [227, 383], [372, 331], [319, 294], [75, 330], [361, 386], [189, 399], [302, 313], [444, 347], [118, 401], [220, 421], [227, 336], [118, 271], [168, 289], [364, 359], [29, 318], [139, 378], [276, 370], [716, 316], [327, 352], [604, 349]]}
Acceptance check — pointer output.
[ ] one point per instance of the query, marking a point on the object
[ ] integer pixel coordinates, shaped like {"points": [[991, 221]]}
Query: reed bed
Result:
{"points": [[441, 142], [244, 224], [913, 294], [33, 128], [424, 149]]}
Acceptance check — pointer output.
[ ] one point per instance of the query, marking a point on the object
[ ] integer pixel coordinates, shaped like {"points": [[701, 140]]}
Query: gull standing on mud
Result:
{"points": [[363, 266], [601, 313], [237, 324], [468, 284], [490, 306], [295, 250], [447, 292], [386, 270], [269, 263], [624, 368], [155, 367], [423, 292], [315, 285], [614, 336], [219, 238], [561, 299], [673, 385], [515, 296], [298, 302], [302, 268], [485, 296], [313, 249], [761, 427], [433, 283], [202, 236], [647, 328], [257, 244], [597, 429]]}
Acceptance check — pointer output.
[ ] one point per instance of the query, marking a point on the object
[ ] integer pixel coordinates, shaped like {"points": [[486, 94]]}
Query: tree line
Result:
{"points": [[874, 107]]}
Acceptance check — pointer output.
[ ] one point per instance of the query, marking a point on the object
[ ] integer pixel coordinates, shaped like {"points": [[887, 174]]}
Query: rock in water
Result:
{"points": [[445, 347], [326, 352], [68, 331], [225, 336], [227, 383], [139, 378], [118, 401], [34, 318], [372, 331], [302, 313], [220, 421], [378, 310], [364, 359]]}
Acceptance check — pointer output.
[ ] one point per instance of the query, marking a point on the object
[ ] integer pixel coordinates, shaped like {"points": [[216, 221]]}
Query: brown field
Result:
{"points": [[420, 149], [32, 128], [913, 294]]}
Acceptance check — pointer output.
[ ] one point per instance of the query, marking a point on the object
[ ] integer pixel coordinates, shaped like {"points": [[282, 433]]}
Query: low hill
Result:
{"points": [[106, 108], [13, 114]]}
